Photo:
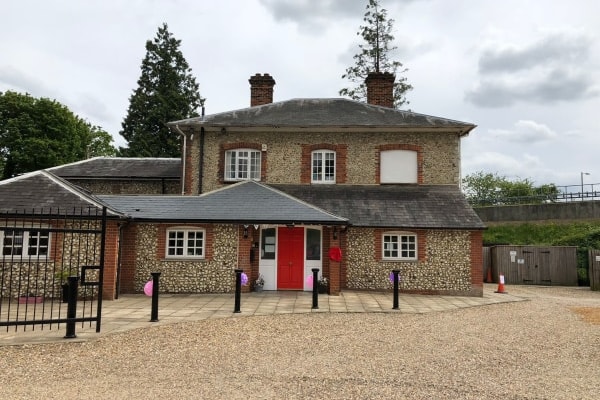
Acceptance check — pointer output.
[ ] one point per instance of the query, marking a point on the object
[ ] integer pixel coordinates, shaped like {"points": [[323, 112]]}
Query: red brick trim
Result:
{"points": [[241, 145], [411, 147], [477, 263], [341, 160], [421, 244]]}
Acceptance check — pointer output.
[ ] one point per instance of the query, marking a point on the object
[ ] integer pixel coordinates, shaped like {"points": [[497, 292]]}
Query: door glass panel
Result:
{"points": [[267, 249], [313, 244]]}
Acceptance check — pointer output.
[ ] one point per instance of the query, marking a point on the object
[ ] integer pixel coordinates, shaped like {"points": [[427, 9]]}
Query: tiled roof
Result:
{"points": [[41, 192], [392, 206], [245, 202], [325, 113], [120, 168]]}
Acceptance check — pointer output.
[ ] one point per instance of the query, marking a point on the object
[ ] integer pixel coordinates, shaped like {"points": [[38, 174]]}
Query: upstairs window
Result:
{"points": [[185, 243], [21, 244], [399, 246], [398, 166], [323, 166], [242, 164]]}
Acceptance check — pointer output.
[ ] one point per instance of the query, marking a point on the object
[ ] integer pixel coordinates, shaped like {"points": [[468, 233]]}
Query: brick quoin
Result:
{"points": [[477, 263], [111, 256], [244, 249], [334, 266], [128, 258]]}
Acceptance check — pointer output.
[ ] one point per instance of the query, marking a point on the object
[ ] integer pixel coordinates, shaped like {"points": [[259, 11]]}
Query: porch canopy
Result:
{"points": [[246, 202]]}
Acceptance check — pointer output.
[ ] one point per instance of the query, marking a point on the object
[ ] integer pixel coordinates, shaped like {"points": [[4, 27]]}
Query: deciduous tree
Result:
{"points": [[38, 133]]}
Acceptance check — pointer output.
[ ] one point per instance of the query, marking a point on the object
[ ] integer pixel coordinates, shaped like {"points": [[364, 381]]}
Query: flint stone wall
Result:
{"points": [[446, 267], [441, 154], [214, 275], [127, 186]]}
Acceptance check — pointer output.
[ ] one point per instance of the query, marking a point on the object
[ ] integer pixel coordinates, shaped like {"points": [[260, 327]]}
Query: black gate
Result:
{"points": [[41, 249]]}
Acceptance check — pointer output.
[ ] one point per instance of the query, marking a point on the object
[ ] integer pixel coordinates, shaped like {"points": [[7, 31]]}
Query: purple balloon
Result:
{"points": [[309, 280], [392, 277], [148, 288], [244, 279]]}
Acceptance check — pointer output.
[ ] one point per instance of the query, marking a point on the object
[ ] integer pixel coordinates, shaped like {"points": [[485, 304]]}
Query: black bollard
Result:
{"points": [[154, 311], [315, 299], [238, 290], [71, 308], [395, 272]]}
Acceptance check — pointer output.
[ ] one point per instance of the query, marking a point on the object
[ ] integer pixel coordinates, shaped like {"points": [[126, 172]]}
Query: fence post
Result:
{"points": [[238, 290], [154, 311], [71, 308], [395, 272], [315, 293]]}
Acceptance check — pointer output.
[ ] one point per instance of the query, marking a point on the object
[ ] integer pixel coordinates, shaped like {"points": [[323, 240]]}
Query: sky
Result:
{"points": [[526, 72]]}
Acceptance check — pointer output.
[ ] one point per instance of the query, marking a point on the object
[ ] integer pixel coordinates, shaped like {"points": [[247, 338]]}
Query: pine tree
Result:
{"points": [[374, 56], [166, 92]]}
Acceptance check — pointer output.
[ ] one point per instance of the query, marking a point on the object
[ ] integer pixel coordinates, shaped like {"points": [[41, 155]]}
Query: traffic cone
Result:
{"points": [[501, 285]]}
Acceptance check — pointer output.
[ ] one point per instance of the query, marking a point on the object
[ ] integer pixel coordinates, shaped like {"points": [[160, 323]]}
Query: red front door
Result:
{"points": [[290, 258]]}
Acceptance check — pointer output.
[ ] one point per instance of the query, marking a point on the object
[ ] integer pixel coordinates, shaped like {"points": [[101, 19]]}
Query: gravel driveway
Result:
{"points": [[537, 349]]}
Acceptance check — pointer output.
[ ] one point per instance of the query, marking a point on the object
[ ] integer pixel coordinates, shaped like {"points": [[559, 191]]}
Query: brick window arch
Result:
{"points": [[308, 150], [248, 151]]}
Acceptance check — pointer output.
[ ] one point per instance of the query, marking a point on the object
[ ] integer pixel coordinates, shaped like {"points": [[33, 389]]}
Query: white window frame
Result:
{"points": [[25, 241], [405, 249], [242, 167], [321, 175], [171, 243]]}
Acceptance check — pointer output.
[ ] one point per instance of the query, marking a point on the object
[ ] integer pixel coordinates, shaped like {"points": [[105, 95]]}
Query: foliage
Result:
{"points": [[166, 92], [374, 56], [486, 189], [260, 281], [323, 281], [38, 133]]}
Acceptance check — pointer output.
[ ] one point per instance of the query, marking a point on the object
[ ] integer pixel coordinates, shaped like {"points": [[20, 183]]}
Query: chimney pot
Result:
{"points": [[261, 89], [380, 89]]}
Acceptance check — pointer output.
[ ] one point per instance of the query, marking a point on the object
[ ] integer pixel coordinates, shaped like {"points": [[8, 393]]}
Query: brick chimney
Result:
{"points": [[261, 89], [380, 89]]}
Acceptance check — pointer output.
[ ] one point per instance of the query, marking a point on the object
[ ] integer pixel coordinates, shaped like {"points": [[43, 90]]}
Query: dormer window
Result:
{"points": [[323, 166], [242, 164]]}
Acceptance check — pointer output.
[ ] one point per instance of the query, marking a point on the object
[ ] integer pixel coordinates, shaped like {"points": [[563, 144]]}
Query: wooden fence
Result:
{"points": [[532, 265]]}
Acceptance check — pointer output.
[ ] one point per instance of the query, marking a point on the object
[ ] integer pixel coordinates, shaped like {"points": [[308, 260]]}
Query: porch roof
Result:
{"points": [[392, 206], [245, 202]]}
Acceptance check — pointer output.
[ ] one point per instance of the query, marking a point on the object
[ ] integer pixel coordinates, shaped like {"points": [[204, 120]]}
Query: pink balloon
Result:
{"points": [[309, 280], [148, 288], [244, 279]]}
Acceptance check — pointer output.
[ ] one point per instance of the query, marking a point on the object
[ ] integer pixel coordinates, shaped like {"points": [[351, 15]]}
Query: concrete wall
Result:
{"points": [[578, 210]]}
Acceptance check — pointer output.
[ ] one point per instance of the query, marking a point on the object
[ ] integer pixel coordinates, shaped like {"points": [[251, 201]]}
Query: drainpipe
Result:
{"points": [[183, 157], [201, 169]]}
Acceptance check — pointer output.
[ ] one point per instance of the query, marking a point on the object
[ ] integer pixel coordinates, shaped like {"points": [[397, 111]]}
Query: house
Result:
{"points": [[279, 188]]}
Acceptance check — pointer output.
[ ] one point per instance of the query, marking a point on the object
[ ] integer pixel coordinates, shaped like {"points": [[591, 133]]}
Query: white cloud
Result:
{"points": [[525, 131]]}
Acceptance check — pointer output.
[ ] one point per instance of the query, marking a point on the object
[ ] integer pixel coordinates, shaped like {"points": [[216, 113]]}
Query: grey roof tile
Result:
{"points": [[392, 206], [41, 192], [120, 168], [245, 202], [324, 113]]}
